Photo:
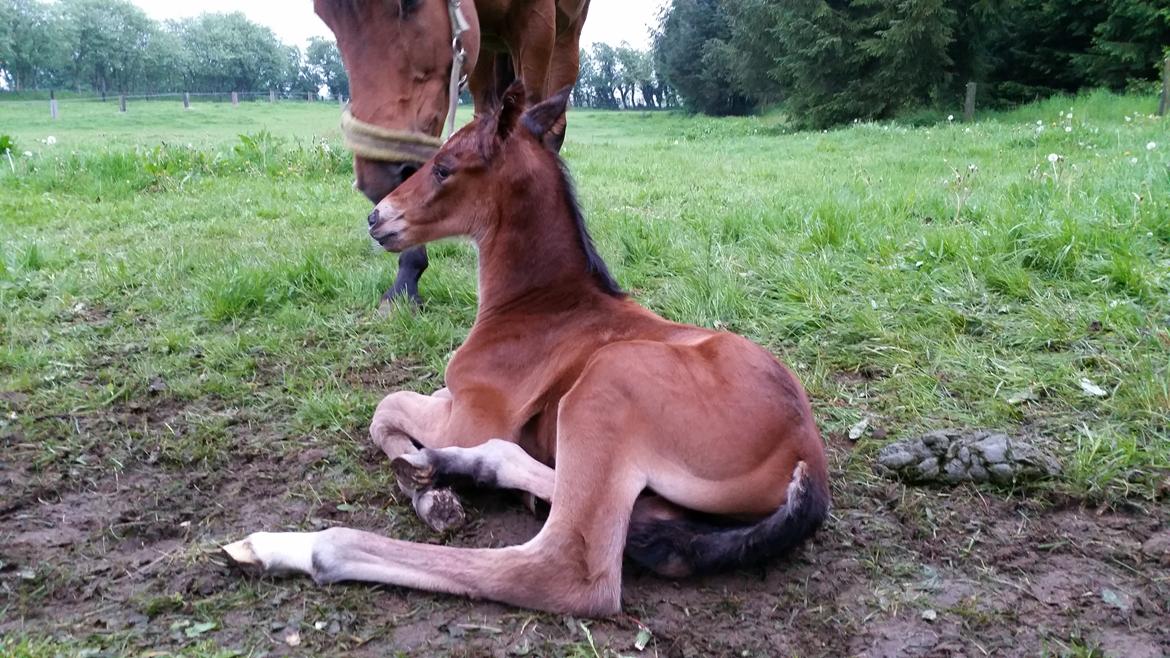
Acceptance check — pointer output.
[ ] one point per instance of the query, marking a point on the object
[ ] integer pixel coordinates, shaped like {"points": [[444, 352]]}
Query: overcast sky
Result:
{"points": [[293, 21]]}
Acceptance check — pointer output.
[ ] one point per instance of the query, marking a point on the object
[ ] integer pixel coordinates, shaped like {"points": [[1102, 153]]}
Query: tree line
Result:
{"points": [[112, 46], [833, 61], [621, 77]]}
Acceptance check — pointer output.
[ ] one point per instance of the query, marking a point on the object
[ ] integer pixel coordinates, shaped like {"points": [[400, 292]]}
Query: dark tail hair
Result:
{"points": [[677, 548]]}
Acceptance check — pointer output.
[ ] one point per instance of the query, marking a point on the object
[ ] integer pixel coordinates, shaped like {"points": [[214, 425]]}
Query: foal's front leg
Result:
{"points": [[495, 463], [404, 419]]}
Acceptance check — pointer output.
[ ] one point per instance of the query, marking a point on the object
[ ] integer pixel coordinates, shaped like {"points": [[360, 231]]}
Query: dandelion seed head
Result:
{"points": [[1151, 146], [1052, 157]]}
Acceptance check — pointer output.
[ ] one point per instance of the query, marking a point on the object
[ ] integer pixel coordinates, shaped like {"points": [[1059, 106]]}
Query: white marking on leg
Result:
{"points": [[276, 551]]}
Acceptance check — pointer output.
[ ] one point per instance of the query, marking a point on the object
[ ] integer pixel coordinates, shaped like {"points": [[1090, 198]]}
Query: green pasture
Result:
{"points": [[948, 275]]}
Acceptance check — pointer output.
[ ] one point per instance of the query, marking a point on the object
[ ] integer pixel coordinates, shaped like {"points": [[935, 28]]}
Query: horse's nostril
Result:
{"points": [[408, 171], [373, 218]]}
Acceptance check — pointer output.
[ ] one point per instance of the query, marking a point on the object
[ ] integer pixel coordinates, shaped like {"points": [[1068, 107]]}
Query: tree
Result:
{"points": [[604, 77], [106, 42], [29, 57], [691, 49], [324, 59], [1129, 44], [227, 52]]}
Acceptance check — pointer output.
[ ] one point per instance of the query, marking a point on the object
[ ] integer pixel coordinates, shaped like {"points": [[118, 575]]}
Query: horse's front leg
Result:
{"points": [[405, 420], [411, 265]]}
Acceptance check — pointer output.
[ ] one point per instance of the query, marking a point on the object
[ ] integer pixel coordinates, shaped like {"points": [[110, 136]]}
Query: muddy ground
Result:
{"points": [[123, 560]]}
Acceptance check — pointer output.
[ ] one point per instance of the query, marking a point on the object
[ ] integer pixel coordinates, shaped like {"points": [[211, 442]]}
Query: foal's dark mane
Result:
{"points": [[594, 264]]}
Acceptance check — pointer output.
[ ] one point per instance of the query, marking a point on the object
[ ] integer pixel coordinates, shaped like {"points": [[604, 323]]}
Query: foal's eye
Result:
{"points": [[441, 172]]}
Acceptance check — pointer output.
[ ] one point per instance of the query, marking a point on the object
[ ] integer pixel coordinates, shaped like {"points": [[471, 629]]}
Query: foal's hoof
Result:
{"points": [[242, 556], [440, 509], [414, 472]]}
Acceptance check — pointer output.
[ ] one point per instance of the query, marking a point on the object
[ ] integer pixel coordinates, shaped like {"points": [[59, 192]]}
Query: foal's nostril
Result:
{"points": [[373, 218]]}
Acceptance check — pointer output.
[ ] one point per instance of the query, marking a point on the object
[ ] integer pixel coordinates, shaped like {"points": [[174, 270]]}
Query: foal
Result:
{"points": [[649, 422]]}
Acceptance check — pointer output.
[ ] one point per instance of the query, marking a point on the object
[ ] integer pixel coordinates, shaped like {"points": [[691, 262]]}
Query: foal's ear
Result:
{"points": [[548, 116], [511, 107]]}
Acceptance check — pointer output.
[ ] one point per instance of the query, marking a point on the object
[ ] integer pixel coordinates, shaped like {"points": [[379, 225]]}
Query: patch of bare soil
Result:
{"points": [[130, 561]]}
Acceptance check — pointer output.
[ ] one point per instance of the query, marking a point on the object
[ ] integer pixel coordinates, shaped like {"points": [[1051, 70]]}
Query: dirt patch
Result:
{"points": [[897, 572]]}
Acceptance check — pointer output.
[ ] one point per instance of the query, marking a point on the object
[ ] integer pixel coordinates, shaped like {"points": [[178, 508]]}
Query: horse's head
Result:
{"points": [[399, 55], [460, 189]]}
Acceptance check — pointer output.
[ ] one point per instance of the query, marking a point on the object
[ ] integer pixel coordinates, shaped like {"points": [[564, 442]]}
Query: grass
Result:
{"points": [[921, 276], [216, 259]]}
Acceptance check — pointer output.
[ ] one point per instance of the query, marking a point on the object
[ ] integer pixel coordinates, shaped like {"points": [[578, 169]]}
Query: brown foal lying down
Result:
{"points": [[652, 425]]}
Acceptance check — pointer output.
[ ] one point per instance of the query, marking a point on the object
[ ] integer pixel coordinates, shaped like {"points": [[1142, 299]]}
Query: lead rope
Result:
{"points": [[459, 25]]}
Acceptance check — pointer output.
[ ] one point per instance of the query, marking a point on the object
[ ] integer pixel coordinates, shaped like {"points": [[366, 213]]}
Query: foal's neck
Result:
{"points": [[532, 259]]}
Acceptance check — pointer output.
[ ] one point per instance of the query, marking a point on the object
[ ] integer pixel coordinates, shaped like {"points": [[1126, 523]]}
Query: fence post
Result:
{"points": [[340, 102], [186, 100], [271, 95], [121, 102], [235, 99], [969, 103], [1164, 104], [52, 104], [309, 96]]}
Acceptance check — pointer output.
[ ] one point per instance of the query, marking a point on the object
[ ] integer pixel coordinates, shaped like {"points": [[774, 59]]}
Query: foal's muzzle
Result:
{"points": [[385, 227]]}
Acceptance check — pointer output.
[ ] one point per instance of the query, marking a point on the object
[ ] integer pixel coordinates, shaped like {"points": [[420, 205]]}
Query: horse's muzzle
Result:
{"points": [[377, 179]]}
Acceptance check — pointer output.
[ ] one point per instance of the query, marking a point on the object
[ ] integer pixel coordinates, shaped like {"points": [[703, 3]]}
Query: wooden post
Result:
{"points": [[1164, 104], [969, 103], [52, 104], [309, 96], [186, 100], [340, 102], [121, 102], [235, 99], [271, 95]]}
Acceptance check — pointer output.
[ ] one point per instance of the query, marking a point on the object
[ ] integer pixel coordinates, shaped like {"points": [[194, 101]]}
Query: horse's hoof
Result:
{"points": [[440, 509], [396, 296], [414, 472]]}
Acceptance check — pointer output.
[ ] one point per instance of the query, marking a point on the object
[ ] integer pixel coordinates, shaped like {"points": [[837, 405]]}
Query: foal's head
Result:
{"points": [[398, 55], [482, 169]]}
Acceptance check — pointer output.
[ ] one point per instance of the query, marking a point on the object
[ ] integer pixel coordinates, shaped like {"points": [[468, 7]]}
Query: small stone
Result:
{"points": [[1001, 473], [964, 454], [293, 639], [955, 471], [994, 448], [933, 439], [929, 615], [977, 473], [928, 468], [895, 456]]}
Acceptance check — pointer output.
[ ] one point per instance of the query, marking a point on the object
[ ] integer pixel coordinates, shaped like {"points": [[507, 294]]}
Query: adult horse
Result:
{"points": [[648, 421], [403, 59]]}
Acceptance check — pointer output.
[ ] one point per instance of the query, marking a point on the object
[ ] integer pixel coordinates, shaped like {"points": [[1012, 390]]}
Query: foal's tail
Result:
{"points": [[677, 548]]}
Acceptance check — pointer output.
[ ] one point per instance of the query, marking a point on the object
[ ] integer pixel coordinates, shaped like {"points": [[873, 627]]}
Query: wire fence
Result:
{"points": [[186, 98]]}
